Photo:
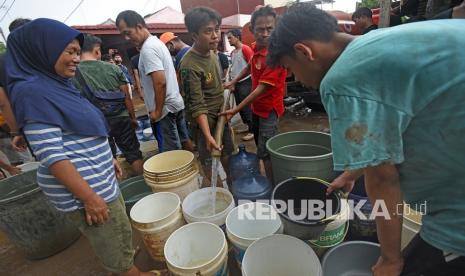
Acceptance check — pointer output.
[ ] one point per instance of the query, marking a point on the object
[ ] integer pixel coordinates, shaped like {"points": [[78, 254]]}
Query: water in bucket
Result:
{"points": [[219, 204]]}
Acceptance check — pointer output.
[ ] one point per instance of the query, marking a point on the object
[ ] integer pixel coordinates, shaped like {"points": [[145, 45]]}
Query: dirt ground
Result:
{"points": [[79, 259]]}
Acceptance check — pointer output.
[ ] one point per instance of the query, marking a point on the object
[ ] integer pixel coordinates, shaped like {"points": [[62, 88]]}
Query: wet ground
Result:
{"points": [[79, 259]]}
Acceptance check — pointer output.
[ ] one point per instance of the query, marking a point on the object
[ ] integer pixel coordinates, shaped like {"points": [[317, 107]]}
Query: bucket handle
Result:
{"points": [[341, 193], [338, 191]]}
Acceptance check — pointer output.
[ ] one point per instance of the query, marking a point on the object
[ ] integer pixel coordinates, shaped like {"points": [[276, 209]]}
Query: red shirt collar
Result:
{"points": [[263, 51]]}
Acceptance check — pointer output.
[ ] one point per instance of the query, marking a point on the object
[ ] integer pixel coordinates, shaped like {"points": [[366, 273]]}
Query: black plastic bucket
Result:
{"points": [[301, 221]]}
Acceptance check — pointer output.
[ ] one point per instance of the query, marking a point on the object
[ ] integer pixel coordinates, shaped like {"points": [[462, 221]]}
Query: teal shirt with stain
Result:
{"points": [[398, 95]]}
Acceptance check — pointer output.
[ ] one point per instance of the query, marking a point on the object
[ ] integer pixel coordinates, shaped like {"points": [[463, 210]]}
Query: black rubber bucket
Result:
{"points": [[305, 221], [29, 220]]}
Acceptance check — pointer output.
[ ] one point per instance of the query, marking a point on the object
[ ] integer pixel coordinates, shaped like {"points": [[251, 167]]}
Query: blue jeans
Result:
{"points": [[157, 133], [173, 131]]}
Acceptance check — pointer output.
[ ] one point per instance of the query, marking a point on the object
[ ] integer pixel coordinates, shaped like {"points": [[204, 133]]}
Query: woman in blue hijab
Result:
{"points": [[68, 135]]}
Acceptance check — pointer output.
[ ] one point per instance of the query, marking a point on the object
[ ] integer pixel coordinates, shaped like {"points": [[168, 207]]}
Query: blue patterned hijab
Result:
{"points": [[36, 91]]}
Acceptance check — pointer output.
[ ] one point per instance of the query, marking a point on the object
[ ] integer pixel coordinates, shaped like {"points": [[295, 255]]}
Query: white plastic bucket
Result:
{"points": [[169, 162], [156, 217], [198, 248], [280, 255], [411, 225], [197, 206], [249, 222], [182, 188]]}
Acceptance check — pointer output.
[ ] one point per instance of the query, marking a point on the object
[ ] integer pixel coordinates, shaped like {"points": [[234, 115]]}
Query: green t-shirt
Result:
{"points": [[201, 86], [102, 76], [398, 95]]}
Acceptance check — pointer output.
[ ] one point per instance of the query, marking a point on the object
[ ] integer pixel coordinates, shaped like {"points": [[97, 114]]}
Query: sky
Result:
{"points": [[90, 12]]}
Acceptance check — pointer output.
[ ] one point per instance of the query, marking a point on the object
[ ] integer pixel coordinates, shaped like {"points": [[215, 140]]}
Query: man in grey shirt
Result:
{"points": [[158, 77]]}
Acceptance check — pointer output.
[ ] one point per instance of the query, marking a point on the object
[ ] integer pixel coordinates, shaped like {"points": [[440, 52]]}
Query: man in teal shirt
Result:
{"points": [[396, 104]]}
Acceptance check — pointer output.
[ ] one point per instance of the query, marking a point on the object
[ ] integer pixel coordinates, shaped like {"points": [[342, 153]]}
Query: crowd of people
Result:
{"points": [[394, 100]]}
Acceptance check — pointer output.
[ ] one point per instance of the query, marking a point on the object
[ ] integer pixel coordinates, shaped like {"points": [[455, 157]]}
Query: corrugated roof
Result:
{"points": [[164, 20]]}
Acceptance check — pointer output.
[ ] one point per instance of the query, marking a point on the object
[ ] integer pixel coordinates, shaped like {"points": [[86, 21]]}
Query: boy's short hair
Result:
{"points": [[90, 42], [364, 11], [262, 11], [302, 21], [18, 22], [131, 18], [199, 17], [236, 33]]}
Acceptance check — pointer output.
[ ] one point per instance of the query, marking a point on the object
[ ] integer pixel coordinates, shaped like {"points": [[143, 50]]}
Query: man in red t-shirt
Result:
{"points": [[267, 85]]}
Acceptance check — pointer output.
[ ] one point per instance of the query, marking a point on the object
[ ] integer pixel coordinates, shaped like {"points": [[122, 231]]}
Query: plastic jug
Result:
{"points": [[251, 188], [243, 164]]}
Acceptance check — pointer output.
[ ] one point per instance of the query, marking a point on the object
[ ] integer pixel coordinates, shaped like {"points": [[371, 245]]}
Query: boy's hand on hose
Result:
{"points": [[212, 145], [229, 85], [229, 113]]}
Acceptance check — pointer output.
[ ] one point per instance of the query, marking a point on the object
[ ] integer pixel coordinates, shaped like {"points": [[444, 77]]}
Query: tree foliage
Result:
{"points": [[2, 48], [369, 4]]}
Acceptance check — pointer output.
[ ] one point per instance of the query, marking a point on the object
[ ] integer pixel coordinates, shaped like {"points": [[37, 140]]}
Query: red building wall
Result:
{"points": [[224, 7]]}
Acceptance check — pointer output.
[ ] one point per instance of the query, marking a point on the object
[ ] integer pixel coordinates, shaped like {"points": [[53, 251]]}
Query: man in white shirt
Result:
{"points": [[158, 76]]}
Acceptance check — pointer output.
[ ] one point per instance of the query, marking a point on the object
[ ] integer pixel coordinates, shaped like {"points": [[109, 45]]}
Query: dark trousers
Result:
{"points": [[156, 129], [423, 259], [242, 90], [173, 131], [123, 134]]}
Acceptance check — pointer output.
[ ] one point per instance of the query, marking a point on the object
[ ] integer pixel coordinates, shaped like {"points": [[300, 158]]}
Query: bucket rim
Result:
{"points": [[175, 184], [221, 251], [16, 197], [343, 244], [296, 158], [178, 205], [315, 258], [254, 203], [408, 217], [171, 178], [308, 223], [204, 190], [188, 154], [180, 170]]}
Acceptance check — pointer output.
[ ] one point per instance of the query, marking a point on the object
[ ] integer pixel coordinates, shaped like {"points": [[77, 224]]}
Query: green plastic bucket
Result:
{"points": [[134, 189], [30, 221], [301, 154]]}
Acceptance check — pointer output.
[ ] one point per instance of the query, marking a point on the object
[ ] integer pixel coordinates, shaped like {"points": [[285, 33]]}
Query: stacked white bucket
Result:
{"points": [[156, 217], [172, 171], [201, 247]]}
